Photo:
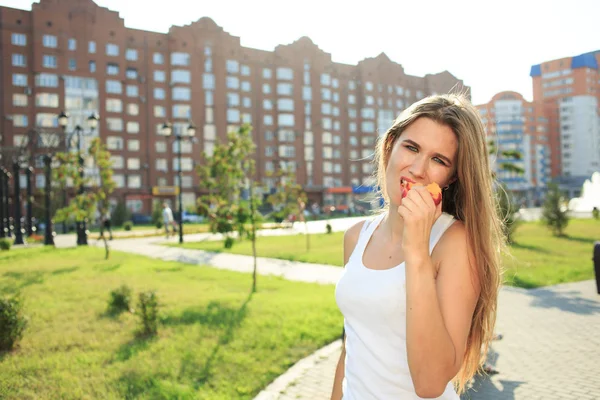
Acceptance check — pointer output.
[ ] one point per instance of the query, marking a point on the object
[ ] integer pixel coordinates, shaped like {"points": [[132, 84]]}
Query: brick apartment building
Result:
{"points": [[309, 113], [558, 133]]}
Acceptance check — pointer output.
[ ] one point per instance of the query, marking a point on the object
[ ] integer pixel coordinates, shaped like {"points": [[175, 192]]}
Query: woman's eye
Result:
{"points": [[439, 161], [411, 148]]}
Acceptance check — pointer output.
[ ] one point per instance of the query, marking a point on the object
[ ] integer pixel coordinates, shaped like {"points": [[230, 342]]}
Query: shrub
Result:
{"points": [[228, 242], [12, 322], [127, 225], [596, 213], [5, 244], [159, 224], [328, 227], [554, 214], [120, 299], [148, 307]]}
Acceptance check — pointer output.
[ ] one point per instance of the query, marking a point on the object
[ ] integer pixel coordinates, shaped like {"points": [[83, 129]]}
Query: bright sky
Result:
{"points": [[490, 45]]}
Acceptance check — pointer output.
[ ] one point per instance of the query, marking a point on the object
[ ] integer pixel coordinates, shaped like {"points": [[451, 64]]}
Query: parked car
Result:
{"points": [[141, 219], [191, 217]]}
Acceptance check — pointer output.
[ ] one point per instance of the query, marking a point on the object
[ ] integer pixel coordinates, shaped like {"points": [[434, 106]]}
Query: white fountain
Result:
{"points": [[590, 195]]}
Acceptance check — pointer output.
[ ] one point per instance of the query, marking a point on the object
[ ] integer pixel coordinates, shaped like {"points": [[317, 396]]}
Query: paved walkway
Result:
{"points": [[550, 349]]}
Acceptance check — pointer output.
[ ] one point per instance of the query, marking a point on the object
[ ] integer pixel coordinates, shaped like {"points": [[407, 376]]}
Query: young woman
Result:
{"points": [[421, 280]]}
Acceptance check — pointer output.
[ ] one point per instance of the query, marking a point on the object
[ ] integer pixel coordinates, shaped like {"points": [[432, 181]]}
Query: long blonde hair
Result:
{"points": [[469, 199]]}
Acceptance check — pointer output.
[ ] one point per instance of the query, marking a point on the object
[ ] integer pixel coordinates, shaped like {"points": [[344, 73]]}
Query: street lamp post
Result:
{"points": [[2, 194], [17, 183], [167, 130], [7, 224], [29, 209], [48, 234], [92, 120]]}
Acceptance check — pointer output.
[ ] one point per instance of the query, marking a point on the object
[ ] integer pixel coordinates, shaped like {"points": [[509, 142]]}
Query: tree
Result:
{"points": [[553, 213], [224, 175], [83, 206], [507, 207]]}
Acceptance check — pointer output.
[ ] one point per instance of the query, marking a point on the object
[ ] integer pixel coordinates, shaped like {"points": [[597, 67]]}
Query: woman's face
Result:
{"points": [[424, 153]]}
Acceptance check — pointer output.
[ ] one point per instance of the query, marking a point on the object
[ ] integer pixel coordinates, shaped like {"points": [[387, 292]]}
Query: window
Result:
{"points": [[368, 126], [133, 163], [180, 59], [112, 69], [180, 76], [133, 145], [114, 143], [182, 111], [284, 89], [19, 60], [162, 165], [46, 100], [112, 50], [131, 55], [159, 76], [92, 66], [20, 121], [245, 86], [160, 111], [92, 47], [268, 120], [266, 88], [133, 109], [325, 79], [132, 91], [369, 86], [159, 94], [306, 93], [267, 104], [232, 66], [131, 73], [232, 82], [114, 105], [208, 65], [233, 115], [161, 146], [133, 127], [49, 41], [114, 124], [49, 61], [181, 93], [245, 70], [208, 98], [285, 73], [285, 120], [158, 58], [18, 39], [113, 86], [326, 94], [208, 81], [72, 64], [19, 100], [233, 99], [117, 161], [46, 120], [19, 79], [246, 102]]}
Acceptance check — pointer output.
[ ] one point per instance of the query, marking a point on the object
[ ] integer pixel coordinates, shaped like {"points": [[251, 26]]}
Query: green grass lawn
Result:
{"points": [[538, 258], [215, 340]]}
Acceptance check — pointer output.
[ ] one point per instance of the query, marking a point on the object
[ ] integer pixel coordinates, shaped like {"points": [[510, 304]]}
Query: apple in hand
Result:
{"points": [[433, 188]]}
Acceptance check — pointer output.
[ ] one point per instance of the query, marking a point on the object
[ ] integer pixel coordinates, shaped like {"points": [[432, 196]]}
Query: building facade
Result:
{"points": [[517, 125], [308, 113], [569, 91]]}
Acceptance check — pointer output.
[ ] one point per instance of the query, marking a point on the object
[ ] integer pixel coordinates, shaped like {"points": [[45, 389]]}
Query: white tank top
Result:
{"points": [[373, 303]]}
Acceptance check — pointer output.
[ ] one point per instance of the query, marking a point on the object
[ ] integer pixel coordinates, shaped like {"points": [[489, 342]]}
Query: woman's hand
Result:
{"points": [[419, 213]]}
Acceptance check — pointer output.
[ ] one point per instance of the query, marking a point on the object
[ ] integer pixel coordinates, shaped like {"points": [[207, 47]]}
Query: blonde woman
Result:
{"points": [[420, 285]]}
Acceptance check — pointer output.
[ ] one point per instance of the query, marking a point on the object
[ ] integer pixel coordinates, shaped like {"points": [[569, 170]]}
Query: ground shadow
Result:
{"points": [[579, 239], [214, 315], [571, 301], [484, 389], [107, 268], [64, 270], [19, 280], [235, 321], [133, 347], [530, 247]]}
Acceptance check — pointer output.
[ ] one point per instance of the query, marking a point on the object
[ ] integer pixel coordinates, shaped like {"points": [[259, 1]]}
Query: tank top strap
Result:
{"points": [[365, 234], [440, 226]]}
